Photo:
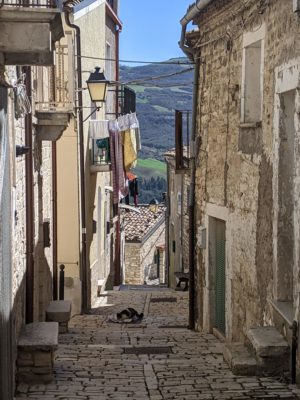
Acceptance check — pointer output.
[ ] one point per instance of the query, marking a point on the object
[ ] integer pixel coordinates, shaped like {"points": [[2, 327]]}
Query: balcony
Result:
{"points": [[55, 106], [100, 155], [28, 31]]}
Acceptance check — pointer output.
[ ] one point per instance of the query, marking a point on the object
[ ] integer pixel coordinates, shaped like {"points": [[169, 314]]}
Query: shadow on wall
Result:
{"points": [[10, 326]]}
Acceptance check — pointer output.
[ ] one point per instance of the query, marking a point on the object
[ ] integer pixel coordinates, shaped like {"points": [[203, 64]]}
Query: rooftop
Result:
{"points": [[139, 225]]}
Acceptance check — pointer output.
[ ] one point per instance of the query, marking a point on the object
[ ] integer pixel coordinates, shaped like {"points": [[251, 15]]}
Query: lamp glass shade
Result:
{"points": [[97, 91], [97, 84]]}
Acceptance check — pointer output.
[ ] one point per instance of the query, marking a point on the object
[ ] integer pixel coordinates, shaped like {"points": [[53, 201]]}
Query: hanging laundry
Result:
{"points": [[98, 129], [117, 163], [133, 188], [134, 124], [130, 152]]}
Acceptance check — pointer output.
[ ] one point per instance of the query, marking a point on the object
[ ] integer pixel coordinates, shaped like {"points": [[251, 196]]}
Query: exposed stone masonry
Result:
{"points": [[91, 363]]}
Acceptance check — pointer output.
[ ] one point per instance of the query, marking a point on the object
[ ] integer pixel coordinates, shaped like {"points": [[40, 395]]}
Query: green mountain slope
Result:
{"points": [[156, 101]]}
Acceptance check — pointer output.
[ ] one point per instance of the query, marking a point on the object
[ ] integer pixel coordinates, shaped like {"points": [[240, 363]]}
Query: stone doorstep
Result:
{"points": [[41, 336], [36, 347], [59, 311], [239, 359], [267, 342]]}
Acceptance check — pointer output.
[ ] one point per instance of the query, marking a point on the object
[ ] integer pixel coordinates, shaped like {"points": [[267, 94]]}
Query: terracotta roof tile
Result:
{"points": [[137, 225]]}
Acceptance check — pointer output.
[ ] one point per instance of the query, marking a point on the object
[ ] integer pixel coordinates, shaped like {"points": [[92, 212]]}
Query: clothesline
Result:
{"points": [[99, 129], [124, 138]]}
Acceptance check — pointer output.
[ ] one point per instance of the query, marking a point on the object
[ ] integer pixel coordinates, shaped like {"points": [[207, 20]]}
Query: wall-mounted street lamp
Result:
{"points": [[97, 85]]}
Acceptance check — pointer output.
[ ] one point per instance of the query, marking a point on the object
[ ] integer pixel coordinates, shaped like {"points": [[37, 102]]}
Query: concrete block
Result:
{"points": [[239, 359], [59, 311], [39, 336], [268, 342]]}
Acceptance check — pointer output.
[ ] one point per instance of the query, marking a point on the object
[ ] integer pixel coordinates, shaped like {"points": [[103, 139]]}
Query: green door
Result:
{"points": [[220, 277]]}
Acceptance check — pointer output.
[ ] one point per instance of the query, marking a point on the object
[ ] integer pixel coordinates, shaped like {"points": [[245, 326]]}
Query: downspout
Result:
{"points": [[29, 207], [54, 218], [118, 28], [191, 54], [84, 272], [54, 200]]}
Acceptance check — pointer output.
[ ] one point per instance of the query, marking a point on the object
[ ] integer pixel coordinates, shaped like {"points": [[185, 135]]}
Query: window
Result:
{"points": [[252, 80]]}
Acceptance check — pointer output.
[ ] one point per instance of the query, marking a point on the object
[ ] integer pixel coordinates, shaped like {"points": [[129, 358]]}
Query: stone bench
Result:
{"points": [[36, 346], [59, 311], [183, 277]]}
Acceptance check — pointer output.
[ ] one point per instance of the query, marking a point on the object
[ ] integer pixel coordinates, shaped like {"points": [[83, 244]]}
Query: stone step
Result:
{"points": [[36, 346], [270, 349], [239, 359], [59, 311]]}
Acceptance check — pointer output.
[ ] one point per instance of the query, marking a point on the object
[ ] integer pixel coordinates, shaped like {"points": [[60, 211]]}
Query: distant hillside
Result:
{"points": [[156, 103]]}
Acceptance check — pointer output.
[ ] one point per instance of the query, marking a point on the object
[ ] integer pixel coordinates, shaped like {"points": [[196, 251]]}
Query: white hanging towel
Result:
{"points": [[98, 129]]}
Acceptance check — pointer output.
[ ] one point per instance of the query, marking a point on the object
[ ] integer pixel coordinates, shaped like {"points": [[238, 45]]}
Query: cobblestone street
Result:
{"points": [[157, 359]]}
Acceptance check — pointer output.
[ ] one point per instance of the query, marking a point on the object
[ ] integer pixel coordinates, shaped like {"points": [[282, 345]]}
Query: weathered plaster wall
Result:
{"points": [[92, 22], [235, 166], [178, 221]]}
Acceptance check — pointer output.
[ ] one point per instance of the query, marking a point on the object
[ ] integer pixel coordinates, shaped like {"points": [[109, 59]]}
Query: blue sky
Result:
{"points": [[151, 29]]}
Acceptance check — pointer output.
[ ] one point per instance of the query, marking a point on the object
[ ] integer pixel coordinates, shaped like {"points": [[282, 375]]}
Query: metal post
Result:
{"points": [[62, 282], [294, 351]]}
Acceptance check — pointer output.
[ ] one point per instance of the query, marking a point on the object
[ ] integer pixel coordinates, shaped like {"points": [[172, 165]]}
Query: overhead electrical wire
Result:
{"points": [[152, 78], [139, 62]]}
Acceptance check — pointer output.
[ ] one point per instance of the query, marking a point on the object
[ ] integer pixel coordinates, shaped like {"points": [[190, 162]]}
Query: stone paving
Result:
{"points": [[157, 359]]}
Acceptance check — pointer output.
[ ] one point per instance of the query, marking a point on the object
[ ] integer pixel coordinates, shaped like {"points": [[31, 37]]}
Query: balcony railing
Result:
{"points": [[126, 100], [30, 3], [59, 81]]}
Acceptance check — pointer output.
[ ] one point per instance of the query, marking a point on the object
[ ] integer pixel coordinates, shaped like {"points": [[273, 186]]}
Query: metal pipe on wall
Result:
{"points": [[54, 199], [84, 270], [192, 55], [29, 207], [54, 218]]}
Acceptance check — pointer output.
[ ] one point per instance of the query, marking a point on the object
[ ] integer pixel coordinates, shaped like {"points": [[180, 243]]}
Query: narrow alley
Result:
{"points": [[156, 359]]}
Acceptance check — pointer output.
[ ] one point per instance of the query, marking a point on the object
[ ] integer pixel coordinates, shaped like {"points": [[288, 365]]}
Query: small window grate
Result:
{"points": [[148, 350], [163, 300]]}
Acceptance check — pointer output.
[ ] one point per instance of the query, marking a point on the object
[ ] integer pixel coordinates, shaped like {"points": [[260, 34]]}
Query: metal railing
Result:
{"points": [[60, 93], [126, 100], [30, 3]]}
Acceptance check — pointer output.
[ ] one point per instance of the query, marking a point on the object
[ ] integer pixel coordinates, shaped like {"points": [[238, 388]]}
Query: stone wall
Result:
{"points": [[134, 274], [235, 174], [140, 255]]}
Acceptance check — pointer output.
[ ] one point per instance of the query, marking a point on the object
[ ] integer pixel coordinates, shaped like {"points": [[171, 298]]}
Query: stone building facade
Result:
{"points": [[247, 164], [100, 26], [143, 247], [177, 219], [26, 213]]}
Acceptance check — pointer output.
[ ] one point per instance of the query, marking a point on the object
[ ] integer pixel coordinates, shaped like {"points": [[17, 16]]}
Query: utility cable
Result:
{"points": [[152, 78], [138, 61]]}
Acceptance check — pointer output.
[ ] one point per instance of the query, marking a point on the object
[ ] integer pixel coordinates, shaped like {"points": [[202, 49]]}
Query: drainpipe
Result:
{"points": [[54, 199], [192, 55], [84, 272], [29, 207], [54, 218]]}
